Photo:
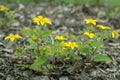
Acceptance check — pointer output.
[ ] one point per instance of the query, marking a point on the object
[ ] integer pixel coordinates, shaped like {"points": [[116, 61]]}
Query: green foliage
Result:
{"points": [[97, 2], [2, 21], [31, 31], [54, 49], [24, 1], [96, 43], [113, 13], [83, 48], [38, 63], [113, 2], [20, 51], [8, 16], [75, 38], [32, 43], [46, 33], [24, 65], [90, 2], [102, 57]]}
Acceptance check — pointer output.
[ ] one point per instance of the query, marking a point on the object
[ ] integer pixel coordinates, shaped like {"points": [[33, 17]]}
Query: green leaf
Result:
{"points": [[20, 53], [38, 63], [31, 41], [47, 67], [84, 48], [102, 57], [30, 32], [24, 65], [50, 66], [75, 38], [96, 43], [40, 60], [77, 57], [54, 49], [46, 33]]}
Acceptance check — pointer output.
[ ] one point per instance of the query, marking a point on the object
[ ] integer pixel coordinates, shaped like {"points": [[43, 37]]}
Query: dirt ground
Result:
{"points": [[68, 18]]}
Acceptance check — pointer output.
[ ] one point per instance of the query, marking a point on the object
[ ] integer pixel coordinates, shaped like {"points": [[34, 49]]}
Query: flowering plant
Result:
{"points": [[94, 44], [47, 52], [8, 16]]}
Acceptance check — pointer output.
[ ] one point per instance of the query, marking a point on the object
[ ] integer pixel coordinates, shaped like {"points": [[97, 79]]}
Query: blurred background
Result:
{"points": [[89, 2], [64, 13]]}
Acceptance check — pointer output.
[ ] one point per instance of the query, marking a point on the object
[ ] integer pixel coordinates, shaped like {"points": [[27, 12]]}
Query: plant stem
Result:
{"points": [[52, 39], [92, 53]]}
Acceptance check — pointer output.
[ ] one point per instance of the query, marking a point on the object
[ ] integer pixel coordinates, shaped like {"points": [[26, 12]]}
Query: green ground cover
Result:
{"points": [[93, 2]]}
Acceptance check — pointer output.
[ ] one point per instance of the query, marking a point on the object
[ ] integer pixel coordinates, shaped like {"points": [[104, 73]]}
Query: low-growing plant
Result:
{"points": [[52, 52], [7, 15]]}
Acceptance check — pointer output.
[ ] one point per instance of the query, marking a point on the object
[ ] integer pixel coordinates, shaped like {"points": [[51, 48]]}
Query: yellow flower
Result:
{"points": [[66, 44], [114, 34], [59, 38], [3, 8], [41, 21], [13, 37], [90, 21], [90, 35], [72, 45], [102, 27]]}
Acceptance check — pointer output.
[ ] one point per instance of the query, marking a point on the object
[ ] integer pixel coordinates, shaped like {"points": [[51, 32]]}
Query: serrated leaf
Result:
{"points": [[54, 49], [102, 57], [38, 62], [84, 48], [96, 43], [46, 33], [31, 41]]}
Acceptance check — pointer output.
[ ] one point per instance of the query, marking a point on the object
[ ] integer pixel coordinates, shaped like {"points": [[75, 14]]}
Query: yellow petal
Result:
{"points": [[12, 39]]}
